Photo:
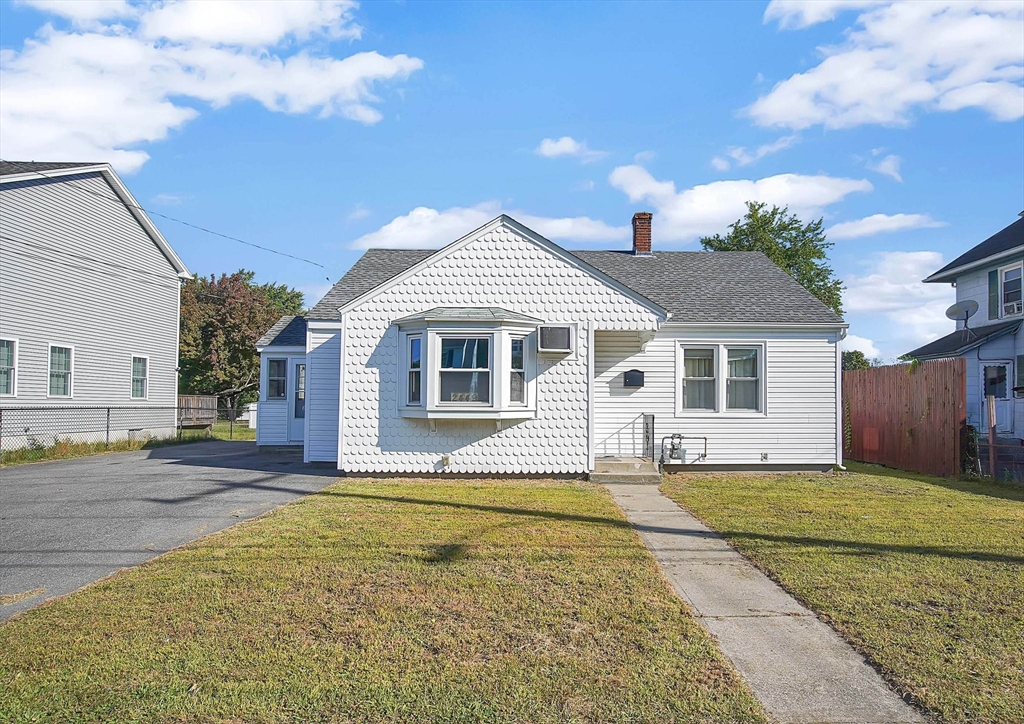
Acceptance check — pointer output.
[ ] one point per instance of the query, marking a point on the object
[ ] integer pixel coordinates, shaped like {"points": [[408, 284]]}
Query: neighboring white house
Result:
{"points": [[89, 295], [504, 353], [989, 274]]}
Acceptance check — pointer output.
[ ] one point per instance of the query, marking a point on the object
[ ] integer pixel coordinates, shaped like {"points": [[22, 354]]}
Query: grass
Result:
{"points": [[66, 449], [924, 575], [411, 601]]}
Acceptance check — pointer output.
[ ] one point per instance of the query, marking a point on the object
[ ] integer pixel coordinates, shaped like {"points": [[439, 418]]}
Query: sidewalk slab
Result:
{"points": [[798, 667]]}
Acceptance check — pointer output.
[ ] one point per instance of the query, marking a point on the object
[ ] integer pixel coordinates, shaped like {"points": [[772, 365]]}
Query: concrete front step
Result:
{"points": [[625, 478], [638, 471]]}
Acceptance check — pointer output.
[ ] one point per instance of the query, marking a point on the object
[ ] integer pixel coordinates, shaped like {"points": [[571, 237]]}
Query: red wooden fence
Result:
{"points": [[906, 416]]}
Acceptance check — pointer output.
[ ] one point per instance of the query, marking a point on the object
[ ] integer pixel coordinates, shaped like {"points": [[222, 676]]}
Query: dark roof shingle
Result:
{"points": [[962, 340], [374, 268], [1009, 238], [10, 168], [288, 331]]}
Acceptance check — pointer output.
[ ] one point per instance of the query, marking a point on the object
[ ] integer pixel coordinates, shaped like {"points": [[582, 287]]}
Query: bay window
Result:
{"points": [[720, 378], [468, 363]]}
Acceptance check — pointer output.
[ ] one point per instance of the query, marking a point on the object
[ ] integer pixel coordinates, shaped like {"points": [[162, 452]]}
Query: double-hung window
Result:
{"points": [[699, 381], [140, 378], [742, 385], [277, 379], [61, 367], [517, 373], [415, 385], [1011, 291], [720, 378], [465, 370], [8, 366]]}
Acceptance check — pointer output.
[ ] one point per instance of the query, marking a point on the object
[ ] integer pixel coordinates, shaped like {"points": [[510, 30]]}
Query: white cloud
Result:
{"points": [[892, 287], [710, 208], [587, 185], [96, 95], [888, 166], [743, 157], [236, 22], [881, 224], [426, 228], [644, 157], [568, 146], [84, 12], [721, 164], [865, 345], [934, 56], [359, 212], [166, 199]]}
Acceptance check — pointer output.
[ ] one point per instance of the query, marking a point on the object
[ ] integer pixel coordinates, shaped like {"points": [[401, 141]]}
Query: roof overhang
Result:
{"points": [[124, 196], [469, 315], [969, 346], [950, 275]]}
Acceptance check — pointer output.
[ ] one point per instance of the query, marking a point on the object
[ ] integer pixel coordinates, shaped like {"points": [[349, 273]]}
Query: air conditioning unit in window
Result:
{"points": [[1011, 308], [555, 339]]}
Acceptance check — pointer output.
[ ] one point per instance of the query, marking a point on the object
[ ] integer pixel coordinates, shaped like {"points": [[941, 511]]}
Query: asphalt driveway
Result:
{"points": [[68, 523]]}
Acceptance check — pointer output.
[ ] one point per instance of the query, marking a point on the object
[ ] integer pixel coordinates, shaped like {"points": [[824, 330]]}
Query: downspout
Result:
{"points": [[839, 399]]}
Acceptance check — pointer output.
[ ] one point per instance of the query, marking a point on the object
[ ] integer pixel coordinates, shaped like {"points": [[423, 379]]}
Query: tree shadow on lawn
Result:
{"points": [[862, 548]]}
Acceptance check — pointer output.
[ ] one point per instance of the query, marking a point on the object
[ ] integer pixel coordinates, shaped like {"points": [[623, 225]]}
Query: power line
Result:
{"points": [[179, 221]]}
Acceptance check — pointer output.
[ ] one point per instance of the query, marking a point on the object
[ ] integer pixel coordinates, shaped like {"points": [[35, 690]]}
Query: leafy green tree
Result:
{"points": [[855, 360], [221, 320], [799, 249]]}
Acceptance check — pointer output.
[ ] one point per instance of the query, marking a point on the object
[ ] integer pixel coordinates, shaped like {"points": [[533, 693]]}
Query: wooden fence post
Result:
{"points": [[990, 401]]}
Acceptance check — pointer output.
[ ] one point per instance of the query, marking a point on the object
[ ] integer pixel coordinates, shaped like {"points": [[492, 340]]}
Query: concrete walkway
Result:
{"points": [[798, 667]]}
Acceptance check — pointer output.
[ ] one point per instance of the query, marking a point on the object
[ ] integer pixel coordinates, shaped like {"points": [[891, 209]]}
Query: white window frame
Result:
{"points": [[49, 370], [526, 387], [267, 397], [715, 355], [1002, 287], [438, 370], [14, 369], [408, 370], [131, 377], [721, 348]]}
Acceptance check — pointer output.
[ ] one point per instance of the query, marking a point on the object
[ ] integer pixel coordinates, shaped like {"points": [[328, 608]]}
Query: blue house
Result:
{"points": [[990, 340]]}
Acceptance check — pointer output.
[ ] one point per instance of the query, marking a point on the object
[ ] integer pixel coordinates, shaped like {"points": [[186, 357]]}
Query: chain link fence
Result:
{"points": [[42, 427]]}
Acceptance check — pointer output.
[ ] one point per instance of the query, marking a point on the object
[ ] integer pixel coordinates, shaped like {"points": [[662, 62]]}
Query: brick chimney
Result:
{"points": [[642, 233]]}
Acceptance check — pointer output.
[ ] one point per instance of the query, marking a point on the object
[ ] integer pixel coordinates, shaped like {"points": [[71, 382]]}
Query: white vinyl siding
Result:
{"points": [[800, 393], [8, 367], [272, 426], [140, 377], [322, 384], [61, 371], [73, 263]]}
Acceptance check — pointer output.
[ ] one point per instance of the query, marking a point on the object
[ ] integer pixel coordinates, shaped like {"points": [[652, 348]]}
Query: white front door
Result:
{"points": [[995, 381], [297, 403]]}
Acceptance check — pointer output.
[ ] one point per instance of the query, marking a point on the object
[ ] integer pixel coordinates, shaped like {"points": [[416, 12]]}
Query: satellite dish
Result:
{"points": [[962, 310]]}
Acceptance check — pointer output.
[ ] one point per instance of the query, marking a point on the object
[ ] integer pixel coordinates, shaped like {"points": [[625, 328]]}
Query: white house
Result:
{"points": [[990, 275], [505, 353], [89, 293]]}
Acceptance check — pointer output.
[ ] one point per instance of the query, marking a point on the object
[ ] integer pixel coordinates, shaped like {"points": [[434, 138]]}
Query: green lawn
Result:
{"points": [[924, 575], [412, 601]]}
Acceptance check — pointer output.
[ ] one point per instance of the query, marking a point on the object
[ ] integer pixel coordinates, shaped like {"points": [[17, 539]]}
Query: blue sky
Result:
{"points": [[322, 128]]}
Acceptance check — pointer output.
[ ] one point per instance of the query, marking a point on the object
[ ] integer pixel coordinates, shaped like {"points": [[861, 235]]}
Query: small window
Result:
{"points": [[415, 396], [277, 379], [465, 374], [742, 388], [517, 388], [995, 381], [1012, 291], [60, 371], [140, 378], [8, 366], [699, 378], [300, 391]]}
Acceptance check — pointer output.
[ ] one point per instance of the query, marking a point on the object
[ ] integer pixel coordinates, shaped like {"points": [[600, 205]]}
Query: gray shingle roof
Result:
{"points": [[9, 168], [695, 286], [374, 268], [288, 331], [468, 314], [714, 286], [1004, 240], [962, 340]]}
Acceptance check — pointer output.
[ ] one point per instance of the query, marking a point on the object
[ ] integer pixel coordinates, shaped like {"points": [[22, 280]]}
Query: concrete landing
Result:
{"points": [[798, 667], [629, 471]]}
